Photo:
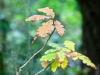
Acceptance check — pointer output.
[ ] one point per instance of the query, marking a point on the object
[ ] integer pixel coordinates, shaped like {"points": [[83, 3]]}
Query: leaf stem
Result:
{"points": [[20, 69]]}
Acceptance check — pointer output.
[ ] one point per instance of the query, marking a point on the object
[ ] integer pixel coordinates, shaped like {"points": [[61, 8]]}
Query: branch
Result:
{"points": [[40, 71], [43, 69], [20, 69]]}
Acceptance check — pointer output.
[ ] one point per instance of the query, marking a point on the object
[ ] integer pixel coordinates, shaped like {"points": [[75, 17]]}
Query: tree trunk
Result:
{"points": [[1, 64], [4, 26], [90, 10]]}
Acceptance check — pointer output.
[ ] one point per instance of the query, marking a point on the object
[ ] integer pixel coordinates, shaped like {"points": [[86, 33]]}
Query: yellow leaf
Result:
{"points": [[45, 28], [64, 63], [59, 28], [55, 65], [48, 11], [36, 17], [66, 50], [75, 58], [86, 61]]}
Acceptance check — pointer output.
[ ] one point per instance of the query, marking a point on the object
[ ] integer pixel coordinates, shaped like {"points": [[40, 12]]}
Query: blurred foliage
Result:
{"points": [[20, 34]]}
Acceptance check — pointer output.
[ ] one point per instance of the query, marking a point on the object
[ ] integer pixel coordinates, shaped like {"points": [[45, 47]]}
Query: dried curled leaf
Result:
{"points": [[34, 38], [45, 29], [59, 28], [36, 17], [48, 11]]}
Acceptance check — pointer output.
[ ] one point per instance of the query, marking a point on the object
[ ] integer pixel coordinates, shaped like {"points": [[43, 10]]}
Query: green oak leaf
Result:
{"points": [[50, 51], [56, 46], [70, 45], [48, 57], [66, 49]]}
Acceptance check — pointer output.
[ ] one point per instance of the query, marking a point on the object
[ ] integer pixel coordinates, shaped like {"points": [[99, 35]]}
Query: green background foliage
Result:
{"points": [[20, 34]]}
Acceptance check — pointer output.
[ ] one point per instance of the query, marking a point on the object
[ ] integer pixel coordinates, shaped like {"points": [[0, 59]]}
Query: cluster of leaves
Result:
{"points": [[59, 56], [49, 26]]}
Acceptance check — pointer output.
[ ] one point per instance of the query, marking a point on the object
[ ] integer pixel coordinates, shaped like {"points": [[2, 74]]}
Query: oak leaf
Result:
{"points": [[60, 56], [59, 28], [45, 29], [86, 60], [44, 64], [50, 51], [73, 55], [64, 63], [56, 46], [55, 65], [70, 45], [48, 11], [36, 17], [48, 57]]}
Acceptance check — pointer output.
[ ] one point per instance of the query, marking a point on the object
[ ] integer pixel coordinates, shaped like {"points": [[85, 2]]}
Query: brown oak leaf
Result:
{"points": [[59, 28], [36, 17], [48, 11], [73, 55], [44, 64], [45, 29]]}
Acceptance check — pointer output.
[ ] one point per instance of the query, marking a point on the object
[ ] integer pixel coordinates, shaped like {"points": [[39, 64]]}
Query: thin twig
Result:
{"points": [[20, 69], [40, 71], [44, 68]]}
